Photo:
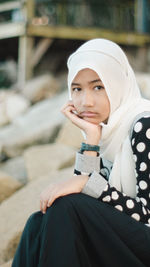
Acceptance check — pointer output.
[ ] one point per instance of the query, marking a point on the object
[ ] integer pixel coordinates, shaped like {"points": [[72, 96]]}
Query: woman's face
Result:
{"points": [[89, 97]]}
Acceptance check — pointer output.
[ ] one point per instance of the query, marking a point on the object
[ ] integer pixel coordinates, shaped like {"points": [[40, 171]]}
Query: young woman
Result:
{"points": [[101, 215]]}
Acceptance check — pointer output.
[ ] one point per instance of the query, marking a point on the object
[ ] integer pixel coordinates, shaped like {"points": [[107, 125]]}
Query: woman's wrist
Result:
{"points": [[93, 138], [92, 141]]}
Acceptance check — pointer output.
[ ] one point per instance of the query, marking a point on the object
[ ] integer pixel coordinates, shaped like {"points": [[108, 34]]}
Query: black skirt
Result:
{"points": [[80, 231]]}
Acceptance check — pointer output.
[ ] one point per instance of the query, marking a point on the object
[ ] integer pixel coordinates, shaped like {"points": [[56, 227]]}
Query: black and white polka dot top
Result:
{"points": [[138, 207]]}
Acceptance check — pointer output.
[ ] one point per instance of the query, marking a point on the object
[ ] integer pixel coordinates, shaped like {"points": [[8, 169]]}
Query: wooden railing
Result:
{"points": [[32, 25]]}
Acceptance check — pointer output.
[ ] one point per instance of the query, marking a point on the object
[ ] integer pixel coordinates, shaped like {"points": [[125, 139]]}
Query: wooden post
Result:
{"points": [[140, 27], [30, 5], [26, 44], [40, 50], [140, 19], [25, 70]]}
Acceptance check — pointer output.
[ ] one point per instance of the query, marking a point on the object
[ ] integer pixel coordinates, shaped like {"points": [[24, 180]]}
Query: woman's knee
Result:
{"points": [[67, 200], [33, 220], [62, 204]]}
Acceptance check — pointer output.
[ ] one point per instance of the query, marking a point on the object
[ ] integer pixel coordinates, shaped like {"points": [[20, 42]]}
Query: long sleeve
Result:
{"points": [[139, 207], [91, 166]]}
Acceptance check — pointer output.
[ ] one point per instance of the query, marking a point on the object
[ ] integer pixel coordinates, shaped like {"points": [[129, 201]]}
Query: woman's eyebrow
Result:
{"points": [[75, 84], [93, 81]]}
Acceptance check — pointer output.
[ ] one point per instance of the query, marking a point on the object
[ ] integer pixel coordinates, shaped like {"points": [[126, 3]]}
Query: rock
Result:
{"points": [[70, 135], [8, 73], [7, 264], [11, 106], [15, 167], [40, 88], [143, 80], [38, 126], [8, 186], [15, 211], [16, 105], [43, 159]]}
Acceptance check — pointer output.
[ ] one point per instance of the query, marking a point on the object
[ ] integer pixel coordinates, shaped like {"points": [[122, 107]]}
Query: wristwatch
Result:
{"points": [[87, 147]]}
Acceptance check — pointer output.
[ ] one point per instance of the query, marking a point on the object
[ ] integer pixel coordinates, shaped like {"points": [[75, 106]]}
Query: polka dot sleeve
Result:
{"points": [[139, 207]]}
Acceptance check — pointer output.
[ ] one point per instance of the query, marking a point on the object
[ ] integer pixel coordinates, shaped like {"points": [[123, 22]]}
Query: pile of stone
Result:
{"points": [[37, 146]]}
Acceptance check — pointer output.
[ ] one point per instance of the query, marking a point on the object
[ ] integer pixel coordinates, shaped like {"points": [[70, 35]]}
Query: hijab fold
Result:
{"points": [[109, 61]]}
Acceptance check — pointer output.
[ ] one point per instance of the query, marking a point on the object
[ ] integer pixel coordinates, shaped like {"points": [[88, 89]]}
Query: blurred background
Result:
{"points": [[37, 144]]}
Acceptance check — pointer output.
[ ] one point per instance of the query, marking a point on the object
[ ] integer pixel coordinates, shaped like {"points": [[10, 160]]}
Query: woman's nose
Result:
{"points": [[87, 99]]}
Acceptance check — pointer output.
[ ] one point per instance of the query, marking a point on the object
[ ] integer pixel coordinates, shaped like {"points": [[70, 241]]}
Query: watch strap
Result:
{"points": [[88, 147]]}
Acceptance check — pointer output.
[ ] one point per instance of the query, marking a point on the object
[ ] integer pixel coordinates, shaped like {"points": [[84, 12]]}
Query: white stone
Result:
{"points": [[41, 87], [15, 167], [11, 106], [8, 186], [16, 105], [42, 159], [15, 210], [7, 264], [39, 125], [70, 135]]}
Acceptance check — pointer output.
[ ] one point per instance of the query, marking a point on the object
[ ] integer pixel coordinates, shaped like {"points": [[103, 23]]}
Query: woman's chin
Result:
{"points": [[92, 120]]}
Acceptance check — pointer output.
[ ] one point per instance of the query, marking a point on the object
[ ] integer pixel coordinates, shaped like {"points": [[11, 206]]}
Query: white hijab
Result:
{"points": [[108, 60]]}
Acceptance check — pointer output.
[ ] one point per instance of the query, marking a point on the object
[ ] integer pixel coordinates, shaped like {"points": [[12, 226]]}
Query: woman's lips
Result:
{"points": [[88, 114]]}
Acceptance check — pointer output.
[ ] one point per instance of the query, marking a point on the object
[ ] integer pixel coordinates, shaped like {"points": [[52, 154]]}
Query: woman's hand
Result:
{"points": [[92, 131], [61, 188]]}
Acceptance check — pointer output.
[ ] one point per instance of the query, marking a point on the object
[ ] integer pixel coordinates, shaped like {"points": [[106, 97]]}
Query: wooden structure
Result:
{"points": [[26, 29]]}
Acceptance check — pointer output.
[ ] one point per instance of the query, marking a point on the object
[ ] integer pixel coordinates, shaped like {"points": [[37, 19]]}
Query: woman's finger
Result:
{"points": [[69, 103], [44, 206], [52, 199], [41, 205], [79, 122]]}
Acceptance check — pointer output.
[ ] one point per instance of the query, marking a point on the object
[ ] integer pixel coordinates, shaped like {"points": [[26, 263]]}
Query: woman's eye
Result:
{"points": [[76, 89], [99, 87]]}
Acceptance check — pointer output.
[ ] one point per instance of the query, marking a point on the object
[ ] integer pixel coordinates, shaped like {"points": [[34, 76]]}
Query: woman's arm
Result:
{"points": [[138, 208], [73, 184]]}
